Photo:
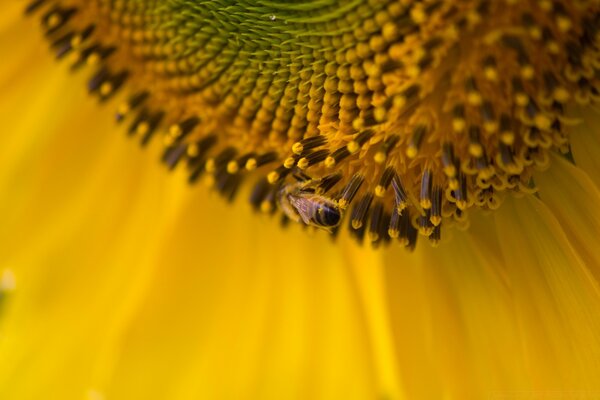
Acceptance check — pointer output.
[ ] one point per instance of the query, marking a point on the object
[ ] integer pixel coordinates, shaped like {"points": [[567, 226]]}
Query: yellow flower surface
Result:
{"points": [[119, 280]]}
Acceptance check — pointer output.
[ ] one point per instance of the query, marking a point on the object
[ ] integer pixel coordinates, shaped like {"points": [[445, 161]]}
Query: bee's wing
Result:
{"points": [[305, 207]]}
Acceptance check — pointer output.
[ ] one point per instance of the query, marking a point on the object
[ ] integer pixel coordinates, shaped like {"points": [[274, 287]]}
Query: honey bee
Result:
{"points": [[301, 203]]}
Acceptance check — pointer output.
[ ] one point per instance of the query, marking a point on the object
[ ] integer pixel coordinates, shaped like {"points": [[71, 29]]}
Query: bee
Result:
{"points": [[301, 202]]}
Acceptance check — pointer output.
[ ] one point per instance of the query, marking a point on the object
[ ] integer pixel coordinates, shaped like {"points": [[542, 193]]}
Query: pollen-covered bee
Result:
{"points": [[301, 202]]}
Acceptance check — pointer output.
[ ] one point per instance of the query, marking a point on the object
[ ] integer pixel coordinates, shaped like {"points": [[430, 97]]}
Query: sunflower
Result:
{"points": [[119, 279]]}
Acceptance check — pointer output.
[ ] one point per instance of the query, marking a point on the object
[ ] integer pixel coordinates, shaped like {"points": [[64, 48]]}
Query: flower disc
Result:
{"points": [[398, 115]]}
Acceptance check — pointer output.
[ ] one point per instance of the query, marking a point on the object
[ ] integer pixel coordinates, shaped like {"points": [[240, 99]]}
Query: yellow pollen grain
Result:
{"points": [[329, 162], [411, 152], [74, 57], [192, 150], [356, 224], [93, 59], [175, 131], [273, 177], [535, 32], [436, 220], [491, 74], [210, 165], [507, 137], [168, 140], [266, 206], [353, 147], [233, 167], [380, 114], [303, 163], [474, 98], [527, 72], [76, 41], [490, 127], [297, 148], [251, 164], [561, 95], [380, 157], [521, 99], [418, 15], [106, 88], [475, 150], [379, 191], [542, 122], [289, 162], [458, 124], [53, 20], [564, 24], [453, 184], [450, 171], [142, 128], [413, 71]]}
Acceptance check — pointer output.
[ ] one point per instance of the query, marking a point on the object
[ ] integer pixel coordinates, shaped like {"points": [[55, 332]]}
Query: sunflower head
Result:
{"points": [[390, 117]]}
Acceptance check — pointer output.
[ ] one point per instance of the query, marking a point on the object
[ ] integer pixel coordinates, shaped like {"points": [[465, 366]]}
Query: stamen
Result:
{"points": [[350, 191]]}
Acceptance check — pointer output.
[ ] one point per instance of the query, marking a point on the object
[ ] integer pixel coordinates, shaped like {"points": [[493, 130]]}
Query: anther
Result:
{"points": [[360, 211], [436, 206], [475, 146], [181, 129], [361, 138], [473, 95], [134, 101], [385, 181], [408, 234], [234, 166], [426, 185], [415, 141], [197, 151], [458, 118], [374, 233], [328, 182], [56, 18], [290, 162], [425, 225], [400, 196], [382, 152], [487, 115], [436, 235], [520, 95], [312, 158], [278, 174], [148, 127], [221, 160], [350, 190], [448, 160], [258, 161], [337, 156], [507, 136], [461, 193], [308, 144], [394, 224]]}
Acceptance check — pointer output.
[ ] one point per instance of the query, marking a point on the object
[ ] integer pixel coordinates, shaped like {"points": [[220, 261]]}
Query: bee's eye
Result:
{"points": [[328, 216]]}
